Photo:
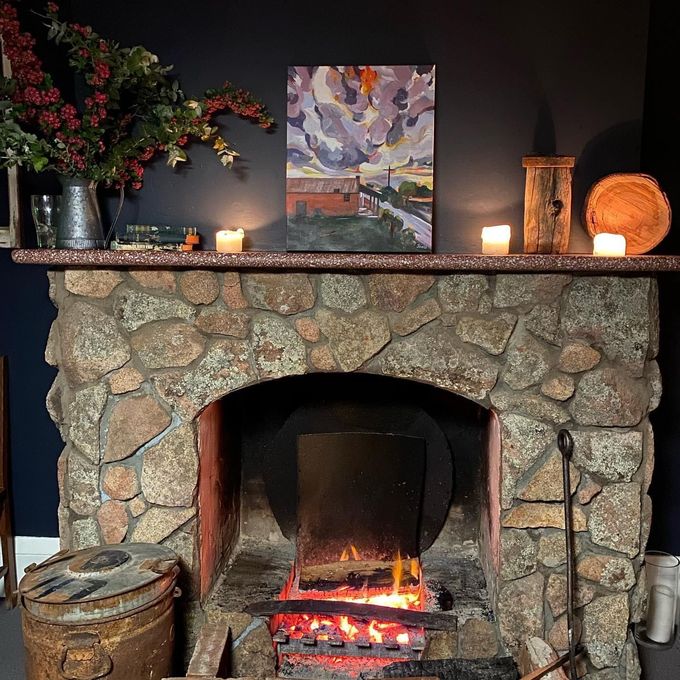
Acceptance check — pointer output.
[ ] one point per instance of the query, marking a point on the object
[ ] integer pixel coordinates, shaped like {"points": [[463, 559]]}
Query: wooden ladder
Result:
{"points": [[8, 571]]}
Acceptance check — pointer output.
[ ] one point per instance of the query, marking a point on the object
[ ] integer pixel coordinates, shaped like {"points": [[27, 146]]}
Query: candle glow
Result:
{"points": [[496, 240], [229, 240], [609, 245]]}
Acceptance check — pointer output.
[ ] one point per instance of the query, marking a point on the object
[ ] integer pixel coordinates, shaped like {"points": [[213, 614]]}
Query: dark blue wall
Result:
{"points": [[512, 78], [25, 318]]}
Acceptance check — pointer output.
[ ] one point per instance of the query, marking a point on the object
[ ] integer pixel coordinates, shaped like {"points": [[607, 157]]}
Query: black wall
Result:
{"points": [[661, 150], [512, 78]]}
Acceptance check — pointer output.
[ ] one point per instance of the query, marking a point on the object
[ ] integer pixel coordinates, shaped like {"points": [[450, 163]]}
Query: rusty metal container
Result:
{"points": [[104, 612]]}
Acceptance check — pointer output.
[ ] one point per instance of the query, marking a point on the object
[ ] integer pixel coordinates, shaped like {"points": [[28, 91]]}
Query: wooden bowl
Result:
{"points": [[630, 204]]}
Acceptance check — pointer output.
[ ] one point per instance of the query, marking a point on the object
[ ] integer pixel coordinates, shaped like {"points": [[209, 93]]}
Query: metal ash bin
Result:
{"points": [[104, 612]]}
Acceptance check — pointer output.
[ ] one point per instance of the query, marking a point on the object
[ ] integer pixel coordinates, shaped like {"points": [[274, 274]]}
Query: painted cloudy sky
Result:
{"points": [[346, 119]]}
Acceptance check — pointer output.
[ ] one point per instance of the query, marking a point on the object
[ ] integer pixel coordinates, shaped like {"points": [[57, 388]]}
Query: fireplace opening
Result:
{"points": [[346, 514]]}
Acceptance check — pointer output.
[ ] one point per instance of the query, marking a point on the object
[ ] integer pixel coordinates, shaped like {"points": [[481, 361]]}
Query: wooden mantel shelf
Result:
{"points": [[281, 261]]}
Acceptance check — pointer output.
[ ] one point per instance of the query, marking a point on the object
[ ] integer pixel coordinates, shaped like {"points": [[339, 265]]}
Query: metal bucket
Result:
{"points": [[105, 612]]}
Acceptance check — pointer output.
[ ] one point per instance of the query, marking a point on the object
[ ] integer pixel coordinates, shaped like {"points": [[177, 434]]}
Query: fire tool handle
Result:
{"points": [[565, 443]]}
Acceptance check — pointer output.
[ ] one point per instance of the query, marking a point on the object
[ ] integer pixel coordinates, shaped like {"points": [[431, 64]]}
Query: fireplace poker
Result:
{"points": [[565, 443]]}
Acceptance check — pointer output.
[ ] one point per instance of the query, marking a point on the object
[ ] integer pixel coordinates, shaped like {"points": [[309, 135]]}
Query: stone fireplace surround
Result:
{"points": [[141, 353]]}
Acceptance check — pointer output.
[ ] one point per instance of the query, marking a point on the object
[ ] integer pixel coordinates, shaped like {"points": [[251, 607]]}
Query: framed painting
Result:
{"points": [[359, 174]]}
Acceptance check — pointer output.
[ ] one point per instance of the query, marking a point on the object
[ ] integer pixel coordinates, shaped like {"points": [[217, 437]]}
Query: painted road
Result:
{"points": [[422, 229]]}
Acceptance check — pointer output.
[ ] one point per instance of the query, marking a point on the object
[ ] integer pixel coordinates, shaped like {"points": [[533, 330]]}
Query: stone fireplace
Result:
{"points": [[147, 358]]}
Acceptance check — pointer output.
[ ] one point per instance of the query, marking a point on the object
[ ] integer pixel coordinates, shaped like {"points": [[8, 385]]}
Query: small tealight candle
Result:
{"points": [[609, 245], [496, 240], [229, 240]]}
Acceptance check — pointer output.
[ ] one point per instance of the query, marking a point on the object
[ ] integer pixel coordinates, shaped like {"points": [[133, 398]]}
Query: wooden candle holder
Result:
{"points": [[547, 203]]}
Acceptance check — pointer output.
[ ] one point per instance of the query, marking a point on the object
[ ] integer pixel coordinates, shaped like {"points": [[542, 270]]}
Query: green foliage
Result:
{"points": [[18, 147]]}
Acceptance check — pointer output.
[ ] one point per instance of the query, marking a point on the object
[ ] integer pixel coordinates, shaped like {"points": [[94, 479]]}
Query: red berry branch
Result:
{"points": [[133, 112]]}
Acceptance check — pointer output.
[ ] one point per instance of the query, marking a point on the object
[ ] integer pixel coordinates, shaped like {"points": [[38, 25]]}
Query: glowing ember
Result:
{"points": [[347, 628]]}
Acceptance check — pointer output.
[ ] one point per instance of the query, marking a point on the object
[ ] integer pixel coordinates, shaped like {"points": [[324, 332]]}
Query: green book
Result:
{"points": [[152, 238], [123, 245], [159, 229]]}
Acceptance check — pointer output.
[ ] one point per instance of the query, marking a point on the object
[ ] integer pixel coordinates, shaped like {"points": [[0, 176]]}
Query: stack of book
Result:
{"points": [[156, 237]]}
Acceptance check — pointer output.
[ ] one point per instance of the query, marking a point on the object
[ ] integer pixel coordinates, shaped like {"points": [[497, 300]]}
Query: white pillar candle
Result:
{"points": [[496, 240], [229, 240], [609, 245], [660, 613]]}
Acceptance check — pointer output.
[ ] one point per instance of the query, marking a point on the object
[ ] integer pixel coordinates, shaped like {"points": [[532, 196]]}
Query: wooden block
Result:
{"points": [[209, 659], [547, 203], [548, 161]]}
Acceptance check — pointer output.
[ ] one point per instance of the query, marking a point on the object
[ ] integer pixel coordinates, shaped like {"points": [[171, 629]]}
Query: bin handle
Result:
{"points": [[50, 560], [83, 658]]}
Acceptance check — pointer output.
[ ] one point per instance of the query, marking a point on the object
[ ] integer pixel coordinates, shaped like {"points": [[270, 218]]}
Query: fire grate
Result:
{"points": [[336, 646]]}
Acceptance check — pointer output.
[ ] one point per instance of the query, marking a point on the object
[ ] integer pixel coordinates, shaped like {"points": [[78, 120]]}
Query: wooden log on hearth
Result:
{"points": [[210, 658], [354, 573], [497, 668], [357, 610]]}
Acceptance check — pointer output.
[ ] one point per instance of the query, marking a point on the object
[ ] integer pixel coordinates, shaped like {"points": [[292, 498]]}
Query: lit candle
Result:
{"points": [[496, 240], [609, 245], [660, 613], [229, 240]]}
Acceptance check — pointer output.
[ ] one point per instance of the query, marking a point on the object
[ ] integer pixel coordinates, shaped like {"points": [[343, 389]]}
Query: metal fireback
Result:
{"points": [[79, 224], [104, 612]]}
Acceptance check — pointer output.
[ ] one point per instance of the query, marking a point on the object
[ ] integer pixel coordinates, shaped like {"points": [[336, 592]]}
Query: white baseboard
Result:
{"points": [[29, 549]]}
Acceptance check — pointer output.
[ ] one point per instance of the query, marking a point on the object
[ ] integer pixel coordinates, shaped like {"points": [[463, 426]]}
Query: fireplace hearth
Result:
{"points": [[151, 361], [364, 512]]}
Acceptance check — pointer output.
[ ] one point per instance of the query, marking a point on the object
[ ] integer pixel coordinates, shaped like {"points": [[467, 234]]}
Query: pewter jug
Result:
{"points": [[79, 224]]}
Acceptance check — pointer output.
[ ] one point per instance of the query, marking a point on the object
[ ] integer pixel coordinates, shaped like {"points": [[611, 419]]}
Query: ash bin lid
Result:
{"points": [[97, 583]]}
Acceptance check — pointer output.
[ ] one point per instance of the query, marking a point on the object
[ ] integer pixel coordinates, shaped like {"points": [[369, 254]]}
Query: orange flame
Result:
{"points": [[344, 556], [397, 571]]}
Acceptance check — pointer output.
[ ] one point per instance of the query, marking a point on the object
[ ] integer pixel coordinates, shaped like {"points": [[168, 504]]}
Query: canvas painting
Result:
{"points": [[359, 173]]}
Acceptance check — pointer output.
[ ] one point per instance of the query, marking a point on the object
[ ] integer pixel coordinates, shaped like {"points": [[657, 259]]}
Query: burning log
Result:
{"points": [[358, 574], [357, 610]]}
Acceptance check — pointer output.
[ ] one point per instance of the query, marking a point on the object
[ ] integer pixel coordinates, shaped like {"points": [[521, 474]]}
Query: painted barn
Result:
{"points": [[325, 196]]}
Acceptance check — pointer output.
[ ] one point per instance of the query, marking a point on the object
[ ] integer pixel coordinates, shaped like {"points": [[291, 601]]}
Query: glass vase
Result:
{"points": [[45, 212], [79, 224]]}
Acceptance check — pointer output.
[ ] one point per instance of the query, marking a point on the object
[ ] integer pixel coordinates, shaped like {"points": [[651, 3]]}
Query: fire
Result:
{"points": [[350, 629]]}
